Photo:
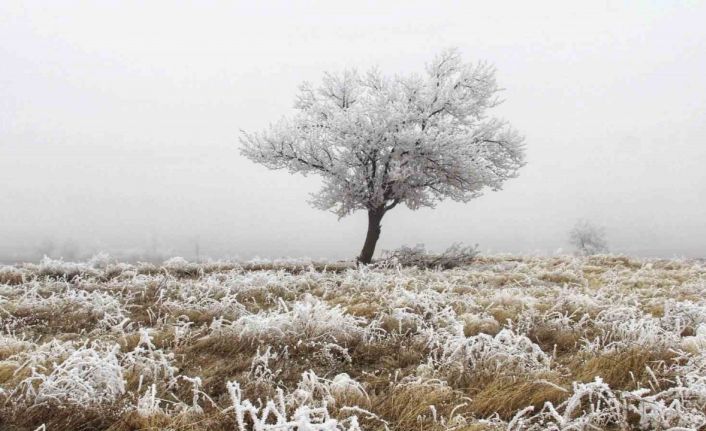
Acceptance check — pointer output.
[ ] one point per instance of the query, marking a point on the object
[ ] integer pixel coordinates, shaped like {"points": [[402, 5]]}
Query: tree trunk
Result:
{"points": [[371, 239]]}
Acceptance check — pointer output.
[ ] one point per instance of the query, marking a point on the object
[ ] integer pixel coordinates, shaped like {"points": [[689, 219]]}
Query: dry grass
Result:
{"points": [[267, 325], [623, 369], [506, 395]]}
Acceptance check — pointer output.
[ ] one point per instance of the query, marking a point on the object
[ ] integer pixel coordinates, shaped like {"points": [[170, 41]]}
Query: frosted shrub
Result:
{"points": [[588, 239], [452, 257], [505, 353], [307, 319], [91, 375]]}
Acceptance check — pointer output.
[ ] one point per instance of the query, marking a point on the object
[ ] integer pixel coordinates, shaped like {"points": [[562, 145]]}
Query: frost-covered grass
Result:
{"points": [[503, 343]]}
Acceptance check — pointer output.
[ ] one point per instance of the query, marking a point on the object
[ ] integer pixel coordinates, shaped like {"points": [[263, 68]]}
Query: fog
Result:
{"points": [[119, 124]]}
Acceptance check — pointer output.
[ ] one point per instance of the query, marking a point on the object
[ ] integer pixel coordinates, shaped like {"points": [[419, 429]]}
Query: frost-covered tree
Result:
{"points": [[587, 238], [380, 141]]}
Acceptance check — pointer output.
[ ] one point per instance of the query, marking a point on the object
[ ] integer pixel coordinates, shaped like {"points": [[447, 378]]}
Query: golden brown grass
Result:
{"points": [[396, 363], [507, 395], [623, 369]]}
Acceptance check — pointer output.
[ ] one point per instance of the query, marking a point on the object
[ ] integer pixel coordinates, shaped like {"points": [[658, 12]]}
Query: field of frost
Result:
{"points": [[505, 343]]}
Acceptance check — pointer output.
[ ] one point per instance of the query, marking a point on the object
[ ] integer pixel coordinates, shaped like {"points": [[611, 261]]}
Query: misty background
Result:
{"points": [[119, 124]]}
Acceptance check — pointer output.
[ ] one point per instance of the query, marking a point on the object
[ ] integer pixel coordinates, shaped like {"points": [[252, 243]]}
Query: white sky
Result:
{"points": [[119, 122]]}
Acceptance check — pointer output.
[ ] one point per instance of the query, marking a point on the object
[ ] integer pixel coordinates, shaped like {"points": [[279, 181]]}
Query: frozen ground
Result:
{"points": [[507, 343]]}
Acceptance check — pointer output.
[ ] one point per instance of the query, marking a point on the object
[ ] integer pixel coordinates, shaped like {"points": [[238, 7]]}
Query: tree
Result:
{"points": [[587, 238], [378, 142]]}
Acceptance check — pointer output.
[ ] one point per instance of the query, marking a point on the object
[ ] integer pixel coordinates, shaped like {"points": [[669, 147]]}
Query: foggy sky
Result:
{"points": [[119, 123]]}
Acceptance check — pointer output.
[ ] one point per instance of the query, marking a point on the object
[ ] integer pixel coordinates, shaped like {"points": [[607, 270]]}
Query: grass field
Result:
{"points": [[506, 343]]}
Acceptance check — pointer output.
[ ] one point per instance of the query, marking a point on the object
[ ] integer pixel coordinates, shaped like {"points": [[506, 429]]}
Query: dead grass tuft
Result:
{"points": [[624, 369], [507, 395]]}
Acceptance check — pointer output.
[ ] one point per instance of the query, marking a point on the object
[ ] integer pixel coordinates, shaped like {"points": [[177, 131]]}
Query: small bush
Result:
{"points": [[454, 256]]}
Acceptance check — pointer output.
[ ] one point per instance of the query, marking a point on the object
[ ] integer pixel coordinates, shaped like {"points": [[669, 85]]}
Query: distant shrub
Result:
{"points": [[588, 239], [454, 256]]}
